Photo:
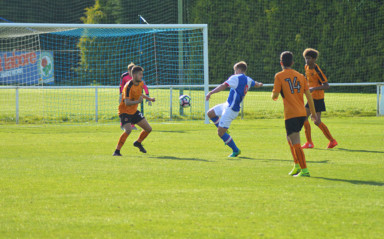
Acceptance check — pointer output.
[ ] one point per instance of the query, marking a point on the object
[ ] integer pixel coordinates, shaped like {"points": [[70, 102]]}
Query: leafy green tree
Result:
{"points": [[44, 11]]}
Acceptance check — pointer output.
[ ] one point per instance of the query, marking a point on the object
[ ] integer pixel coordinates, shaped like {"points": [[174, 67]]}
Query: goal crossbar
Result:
{"points": [[122, 26]]}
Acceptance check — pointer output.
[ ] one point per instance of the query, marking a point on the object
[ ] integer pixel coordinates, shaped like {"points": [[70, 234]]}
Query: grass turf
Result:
{"points": [[60, 181]]}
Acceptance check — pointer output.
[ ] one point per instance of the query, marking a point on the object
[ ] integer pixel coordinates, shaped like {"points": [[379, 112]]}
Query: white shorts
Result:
{"points": [[226, 114]]}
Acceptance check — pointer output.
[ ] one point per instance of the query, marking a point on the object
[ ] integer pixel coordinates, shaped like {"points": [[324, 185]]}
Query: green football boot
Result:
{"points": [[302, 174], [234, 154], [294, 171]]}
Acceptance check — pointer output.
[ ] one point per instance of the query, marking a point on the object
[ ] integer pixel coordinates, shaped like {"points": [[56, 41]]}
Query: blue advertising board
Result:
{"points": [[26, 68]]}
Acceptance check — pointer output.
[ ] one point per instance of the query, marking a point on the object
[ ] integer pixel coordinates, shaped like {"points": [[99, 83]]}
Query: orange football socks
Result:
{"points": [[325, 131], [307, 128], [293, 152], [122, 139], [142, 136], [300, 156]]}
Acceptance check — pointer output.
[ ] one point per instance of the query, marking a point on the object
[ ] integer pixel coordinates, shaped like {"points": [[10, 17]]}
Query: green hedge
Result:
{"points": [[348, 33]]}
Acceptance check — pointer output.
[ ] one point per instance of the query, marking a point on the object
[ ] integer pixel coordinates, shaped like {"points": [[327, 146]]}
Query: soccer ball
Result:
{"points": [[185, 101]]}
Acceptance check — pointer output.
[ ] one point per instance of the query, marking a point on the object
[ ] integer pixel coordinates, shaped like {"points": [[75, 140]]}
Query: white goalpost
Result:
{"points": [[72, 71]]}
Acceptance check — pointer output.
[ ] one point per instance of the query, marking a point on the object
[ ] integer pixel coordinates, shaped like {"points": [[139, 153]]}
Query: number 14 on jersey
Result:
{"points": [[294, 85]]}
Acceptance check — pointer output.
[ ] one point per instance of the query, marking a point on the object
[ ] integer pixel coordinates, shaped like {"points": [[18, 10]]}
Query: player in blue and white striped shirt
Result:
{"points": [[223, 114]]}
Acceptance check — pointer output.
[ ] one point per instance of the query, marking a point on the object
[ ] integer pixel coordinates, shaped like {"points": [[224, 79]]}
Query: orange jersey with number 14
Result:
{"points": [[291, 85]]}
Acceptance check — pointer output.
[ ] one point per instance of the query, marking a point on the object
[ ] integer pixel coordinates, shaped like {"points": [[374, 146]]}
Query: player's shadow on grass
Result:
{"points": [[280, 160], [179, 158], [359, 182], [353, 150], [361, 150], [172, 131]]}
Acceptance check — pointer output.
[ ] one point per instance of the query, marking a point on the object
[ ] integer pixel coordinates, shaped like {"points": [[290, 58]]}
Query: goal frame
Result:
{"points": [[204, 28]]}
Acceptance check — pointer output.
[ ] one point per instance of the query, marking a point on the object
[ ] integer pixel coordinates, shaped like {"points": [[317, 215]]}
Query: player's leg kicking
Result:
{"points": [[212, 114], [223, 124]]}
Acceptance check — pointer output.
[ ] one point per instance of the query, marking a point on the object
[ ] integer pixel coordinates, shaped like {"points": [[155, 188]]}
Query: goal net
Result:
{"points": [[71, 72]]}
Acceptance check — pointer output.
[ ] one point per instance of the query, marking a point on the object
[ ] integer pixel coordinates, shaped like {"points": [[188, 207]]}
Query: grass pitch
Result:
{"points": [[62, 182]]}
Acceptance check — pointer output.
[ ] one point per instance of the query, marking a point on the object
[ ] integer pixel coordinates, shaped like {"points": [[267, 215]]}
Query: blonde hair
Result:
{"points": [[130, 66], [241, 65]]}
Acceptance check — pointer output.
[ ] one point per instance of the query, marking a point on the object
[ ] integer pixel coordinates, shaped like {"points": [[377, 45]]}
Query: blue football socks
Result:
{"points": [[215, 120], [229, 141]]}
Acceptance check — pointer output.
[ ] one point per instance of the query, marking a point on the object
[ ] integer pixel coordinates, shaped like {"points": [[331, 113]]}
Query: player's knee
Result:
{"points": [[211, 113], [318, 122], [289, 140], [149, 129], [127, 128], [220, 132]]}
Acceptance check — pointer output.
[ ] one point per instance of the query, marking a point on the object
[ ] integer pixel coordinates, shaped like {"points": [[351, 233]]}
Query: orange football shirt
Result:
{"points": [[316, 78], [132, 92], [291, 85]]}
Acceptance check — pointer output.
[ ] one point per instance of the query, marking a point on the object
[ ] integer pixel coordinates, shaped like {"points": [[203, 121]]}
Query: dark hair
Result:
{"points": [[136, 69], [286, 58], [311, 52], [242, 65]]}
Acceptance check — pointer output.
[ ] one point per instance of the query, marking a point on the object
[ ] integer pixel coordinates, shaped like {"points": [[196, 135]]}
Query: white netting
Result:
{"points": [[77, 56]]}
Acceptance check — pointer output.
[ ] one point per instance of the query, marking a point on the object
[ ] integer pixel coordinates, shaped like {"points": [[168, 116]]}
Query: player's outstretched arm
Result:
{"points": [[133, 102], [149, 98], [324, 86], [311, 106], [258, 84], [149, 102], [145, 87], [216, 90]]}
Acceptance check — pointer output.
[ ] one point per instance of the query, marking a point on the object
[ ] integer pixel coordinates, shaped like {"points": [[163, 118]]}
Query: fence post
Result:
{"points": [[17, 105], [170, 103], [378, 100], [96, 105]]}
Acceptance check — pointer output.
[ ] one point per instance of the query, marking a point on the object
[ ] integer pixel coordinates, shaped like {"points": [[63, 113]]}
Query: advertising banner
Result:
{"points": [[26, 68]]}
